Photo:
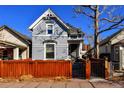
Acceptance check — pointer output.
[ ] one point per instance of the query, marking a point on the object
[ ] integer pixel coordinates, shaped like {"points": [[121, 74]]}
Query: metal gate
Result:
{"points": [[78, 69]]}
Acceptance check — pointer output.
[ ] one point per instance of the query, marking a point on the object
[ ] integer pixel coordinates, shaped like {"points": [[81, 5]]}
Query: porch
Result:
{"points": [[117, 56], [10, 51], [75, 49]]}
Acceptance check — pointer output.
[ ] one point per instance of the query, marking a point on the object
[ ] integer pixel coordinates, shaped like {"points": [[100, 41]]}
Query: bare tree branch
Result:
{"points": [[89, 38], [89, 15], [114, 19], [112, 26], [89, 6], [103, 10], [104, 19], [81, 11], [109, 20]]}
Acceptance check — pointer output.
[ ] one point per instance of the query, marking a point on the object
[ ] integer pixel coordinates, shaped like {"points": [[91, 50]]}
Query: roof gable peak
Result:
{"points": [[47, 13]]}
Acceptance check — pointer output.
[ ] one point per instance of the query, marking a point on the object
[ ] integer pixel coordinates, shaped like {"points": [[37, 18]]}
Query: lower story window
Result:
{"points": [[50, 51]]}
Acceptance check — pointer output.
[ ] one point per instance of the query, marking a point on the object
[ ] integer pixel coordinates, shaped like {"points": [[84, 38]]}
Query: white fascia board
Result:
{"points": [[61, 21], [38, 20], [43, 15]]}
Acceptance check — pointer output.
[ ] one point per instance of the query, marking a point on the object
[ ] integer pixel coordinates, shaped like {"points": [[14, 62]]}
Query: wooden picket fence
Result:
{"points": [[36, 68]]}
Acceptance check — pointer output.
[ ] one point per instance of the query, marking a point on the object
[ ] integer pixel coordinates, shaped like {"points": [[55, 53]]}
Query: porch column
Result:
{"points": [[80, 49], [16, 53], [121, 58], [24, 54], [28, 52]]}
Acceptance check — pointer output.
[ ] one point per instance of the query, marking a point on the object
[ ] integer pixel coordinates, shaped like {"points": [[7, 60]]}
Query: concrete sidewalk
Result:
{"points": [[72, 83]]}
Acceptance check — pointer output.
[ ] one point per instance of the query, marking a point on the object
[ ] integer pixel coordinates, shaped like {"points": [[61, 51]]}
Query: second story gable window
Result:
{"points": [[49, 29]]}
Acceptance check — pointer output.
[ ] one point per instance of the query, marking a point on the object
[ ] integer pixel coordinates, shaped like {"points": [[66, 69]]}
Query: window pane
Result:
{"points": [[50, 29], [49, 51]]}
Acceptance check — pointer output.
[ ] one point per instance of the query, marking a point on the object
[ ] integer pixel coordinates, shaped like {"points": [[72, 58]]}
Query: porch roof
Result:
{"points": [[6, 44]]}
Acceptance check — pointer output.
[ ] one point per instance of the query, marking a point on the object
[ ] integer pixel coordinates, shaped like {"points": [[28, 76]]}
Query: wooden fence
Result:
{"points": [[79, 69], [90, 67], [37, 68], [52, 68], [97, 68]]}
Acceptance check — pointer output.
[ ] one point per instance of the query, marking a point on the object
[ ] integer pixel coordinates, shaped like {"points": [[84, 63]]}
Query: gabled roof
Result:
{"points": [[50, 13], [106, 40], [74, 30], [24, 37]]}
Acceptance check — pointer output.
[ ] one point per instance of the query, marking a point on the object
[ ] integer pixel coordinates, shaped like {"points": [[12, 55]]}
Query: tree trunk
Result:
{"points": [[96, 41]]}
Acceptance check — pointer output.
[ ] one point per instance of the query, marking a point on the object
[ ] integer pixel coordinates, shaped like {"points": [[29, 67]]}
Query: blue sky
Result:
{"points": [[21, 17]]}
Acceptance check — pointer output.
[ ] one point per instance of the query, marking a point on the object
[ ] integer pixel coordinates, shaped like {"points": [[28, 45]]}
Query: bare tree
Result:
{"points": [[89, 39], [104, 18]]}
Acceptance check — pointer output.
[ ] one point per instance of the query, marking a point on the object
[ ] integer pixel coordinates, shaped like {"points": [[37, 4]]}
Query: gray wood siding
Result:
{"points": [[39, 36]]}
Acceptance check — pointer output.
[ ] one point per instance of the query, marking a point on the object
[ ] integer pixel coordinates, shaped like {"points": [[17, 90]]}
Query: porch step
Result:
{"points": [[118, 73]]}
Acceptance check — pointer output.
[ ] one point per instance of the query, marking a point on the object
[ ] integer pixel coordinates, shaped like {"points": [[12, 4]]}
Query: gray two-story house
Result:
{"points": [[52, 39]]}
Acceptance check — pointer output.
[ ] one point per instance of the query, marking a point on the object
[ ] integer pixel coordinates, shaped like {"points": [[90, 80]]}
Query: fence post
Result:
{"points": [[1, 68], [70, 69], [88, 68], [107, 68]]}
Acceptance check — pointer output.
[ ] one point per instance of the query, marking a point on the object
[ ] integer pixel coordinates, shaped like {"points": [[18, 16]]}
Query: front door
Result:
{"points": [[74, 50]]}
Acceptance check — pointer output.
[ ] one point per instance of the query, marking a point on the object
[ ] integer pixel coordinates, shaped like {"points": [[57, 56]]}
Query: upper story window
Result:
{"points": [[50, 29]]}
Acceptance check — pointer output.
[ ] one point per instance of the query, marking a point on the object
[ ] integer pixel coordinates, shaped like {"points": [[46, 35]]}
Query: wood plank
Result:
{"points": [[41, 68]]}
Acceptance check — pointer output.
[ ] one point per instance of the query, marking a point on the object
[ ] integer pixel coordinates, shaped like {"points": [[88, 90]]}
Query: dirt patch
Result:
{"points": [[30, 78], [6, 80], [25, 78], [60, 78]]}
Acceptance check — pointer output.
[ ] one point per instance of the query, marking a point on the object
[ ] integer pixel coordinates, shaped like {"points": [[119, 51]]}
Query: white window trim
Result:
{"points": [[54, 51], [47, 29]]}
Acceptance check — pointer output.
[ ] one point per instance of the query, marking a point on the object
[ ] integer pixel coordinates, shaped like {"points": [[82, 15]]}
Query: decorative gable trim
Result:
{"points": [[49, 13]]}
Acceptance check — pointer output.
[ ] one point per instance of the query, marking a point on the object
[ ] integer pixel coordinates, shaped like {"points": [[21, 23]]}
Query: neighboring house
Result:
{"points": [[113, 48], [13, 45], [54, 39]]}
